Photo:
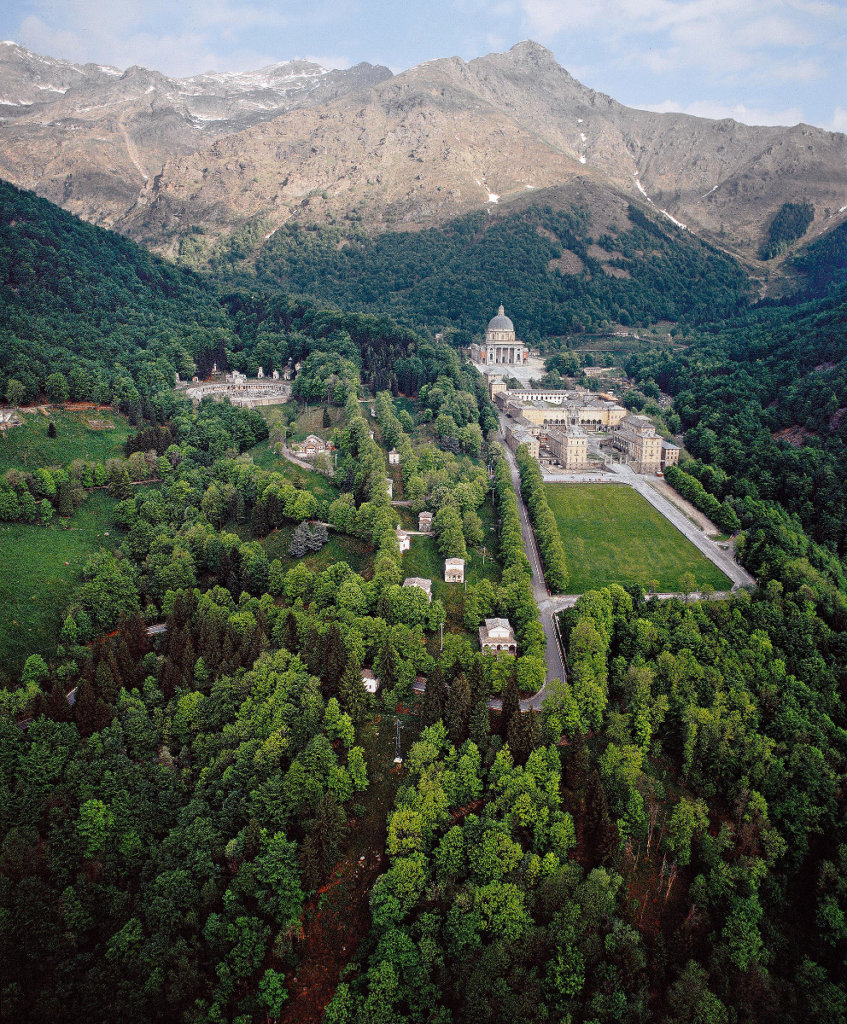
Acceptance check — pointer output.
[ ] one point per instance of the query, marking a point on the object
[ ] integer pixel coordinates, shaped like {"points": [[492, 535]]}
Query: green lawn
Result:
{"points": [[612, 535], [422, 559], [28, 446], [266, 458], [358, 554], [36, 585]]}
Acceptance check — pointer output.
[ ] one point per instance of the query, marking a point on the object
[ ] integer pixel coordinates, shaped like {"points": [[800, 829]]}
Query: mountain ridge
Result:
{"points": [[405, 151]]}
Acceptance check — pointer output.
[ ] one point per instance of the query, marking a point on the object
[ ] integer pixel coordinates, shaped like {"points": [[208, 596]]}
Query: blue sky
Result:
{"points": [[760, 61]]}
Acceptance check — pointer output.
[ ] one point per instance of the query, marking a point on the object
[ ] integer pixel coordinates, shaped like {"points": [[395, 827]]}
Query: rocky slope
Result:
{"points": [[88, 137], [156, 158]]}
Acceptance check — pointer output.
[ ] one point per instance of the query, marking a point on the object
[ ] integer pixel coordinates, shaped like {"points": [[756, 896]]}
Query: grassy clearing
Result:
{"points": [[266, 458], [423, 559], [358, 554], [308, 419], [29, 446], [612, 535], [35, 583]]}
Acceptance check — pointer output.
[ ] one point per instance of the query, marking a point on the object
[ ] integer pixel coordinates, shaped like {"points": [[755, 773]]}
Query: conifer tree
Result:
{"points": [[352, 695], [323, 840], [56, 705], [387, 665], [458, 710], [478, 680], [432, 708], [601, 833], [479, 724], [290, 637], [577, 762], [511, 705], [334, 660], [524, 735]]}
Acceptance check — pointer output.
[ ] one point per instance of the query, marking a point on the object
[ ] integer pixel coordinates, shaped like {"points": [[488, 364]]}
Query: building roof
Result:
{"points": [[455, 562], [497, 624], [669, 444], [418, 581], [500, 322]]}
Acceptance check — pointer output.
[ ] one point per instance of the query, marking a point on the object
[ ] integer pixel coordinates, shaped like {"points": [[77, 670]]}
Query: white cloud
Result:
{"points": [[839, 120], [176, 38], [725, 38], [737, 111]]}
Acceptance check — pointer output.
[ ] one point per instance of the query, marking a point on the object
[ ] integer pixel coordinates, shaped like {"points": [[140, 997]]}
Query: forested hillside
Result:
{"points": [[92, 305], [117, 322], [201, 815], [677, 856], [554, 274], [762, 401]]}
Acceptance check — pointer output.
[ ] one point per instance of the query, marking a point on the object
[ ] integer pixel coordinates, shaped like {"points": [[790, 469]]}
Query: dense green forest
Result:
{"points": [[665, 840], [680, 857], [789, 223], [90, 316], [824, 262], [456, 275], [762, 402]]}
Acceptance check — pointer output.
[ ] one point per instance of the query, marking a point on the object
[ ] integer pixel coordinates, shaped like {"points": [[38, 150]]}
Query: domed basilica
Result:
{"points": [[501, 347]]}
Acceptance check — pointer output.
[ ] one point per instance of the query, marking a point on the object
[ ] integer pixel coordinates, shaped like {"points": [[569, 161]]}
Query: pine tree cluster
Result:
{"points": [[307, 538]]}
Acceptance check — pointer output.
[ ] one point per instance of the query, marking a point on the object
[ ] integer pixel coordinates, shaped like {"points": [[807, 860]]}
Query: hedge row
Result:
{"points": [[721, 514], [544, 522], [517, 577]]}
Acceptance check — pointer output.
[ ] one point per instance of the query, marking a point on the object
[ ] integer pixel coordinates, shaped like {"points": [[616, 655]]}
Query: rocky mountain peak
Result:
{"points": [[154, 156], [532, 54]]}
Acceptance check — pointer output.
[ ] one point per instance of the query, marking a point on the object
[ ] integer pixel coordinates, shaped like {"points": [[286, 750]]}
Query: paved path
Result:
{"points": [[720, 555], [546, 606]]}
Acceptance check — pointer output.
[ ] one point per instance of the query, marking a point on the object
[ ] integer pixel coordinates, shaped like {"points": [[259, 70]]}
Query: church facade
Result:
{"points": [[501, 347]]}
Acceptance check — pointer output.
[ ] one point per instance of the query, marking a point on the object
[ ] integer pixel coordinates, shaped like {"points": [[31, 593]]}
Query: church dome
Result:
{"points": [[500, 322]]}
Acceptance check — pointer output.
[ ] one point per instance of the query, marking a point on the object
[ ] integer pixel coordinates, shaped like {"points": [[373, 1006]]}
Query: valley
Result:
{"points": [[368, 655]]}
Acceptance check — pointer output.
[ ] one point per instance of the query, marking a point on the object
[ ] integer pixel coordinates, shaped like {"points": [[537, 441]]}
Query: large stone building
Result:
{"points": [[594, 411], [568, 446], [670, 453], [641, 445], [516, 436], [501, 347]]}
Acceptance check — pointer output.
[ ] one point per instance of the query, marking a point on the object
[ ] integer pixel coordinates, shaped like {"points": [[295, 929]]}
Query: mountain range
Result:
{"points": [[158, 158]]}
